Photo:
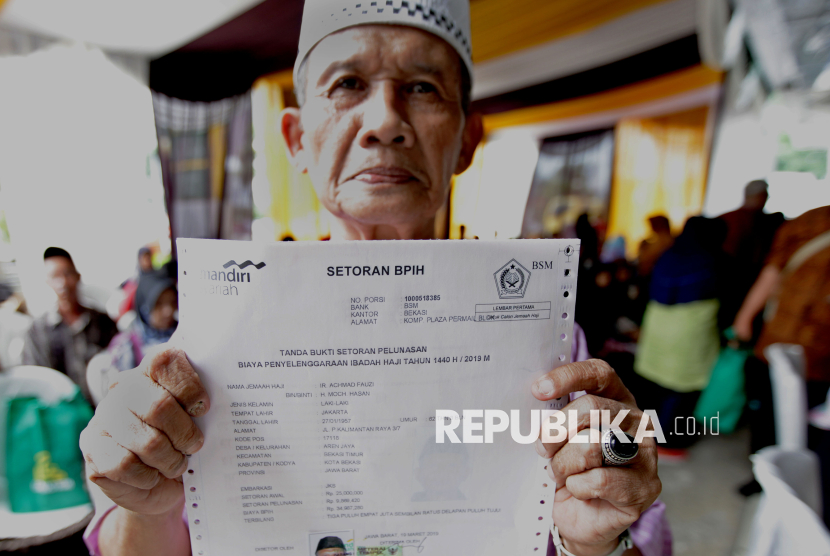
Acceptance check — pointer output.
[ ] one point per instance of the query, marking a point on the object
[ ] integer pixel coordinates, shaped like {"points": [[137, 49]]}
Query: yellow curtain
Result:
{"points": [[292, 205], [217, 147], [660, 167]]}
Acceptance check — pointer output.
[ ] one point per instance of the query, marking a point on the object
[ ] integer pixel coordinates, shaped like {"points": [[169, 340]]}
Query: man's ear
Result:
{"points": [[292, 133], [473, 132]]}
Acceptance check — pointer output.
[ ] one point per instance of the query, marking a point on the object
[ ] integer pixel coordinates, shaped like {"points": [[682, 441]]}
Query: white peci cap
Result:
{"points": [[448, 19]]}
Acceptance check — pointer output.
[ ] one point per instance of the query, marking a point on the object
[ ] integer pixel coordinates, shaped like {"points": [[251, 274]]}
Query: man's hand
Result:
{"points": [[136, 445], [595, 504]]}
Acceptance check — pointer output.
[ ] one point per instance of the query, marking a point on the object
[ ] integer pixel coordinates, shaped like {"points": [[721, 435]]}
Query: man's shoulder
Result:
{"points": [[806, 226], [37, 333], [818, 218], [41, 321], [739, 213]]}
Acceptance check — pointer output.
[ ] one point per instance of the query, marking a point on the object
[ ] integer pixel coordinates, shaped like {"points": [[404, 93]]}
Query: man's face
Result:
{"points": [[382, 130], [62, 277], [145, 261], [756, 201]]}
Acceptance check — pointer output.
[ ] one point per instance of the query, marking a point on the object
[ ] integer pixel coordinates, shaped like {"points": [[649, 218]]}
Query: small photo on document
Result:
{"points": [[331, 543]]}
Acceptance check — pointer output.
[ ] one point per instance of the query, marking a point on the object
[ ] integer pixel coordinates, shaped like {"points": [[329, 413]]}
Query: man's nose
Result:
{"points": [[385, 120]]}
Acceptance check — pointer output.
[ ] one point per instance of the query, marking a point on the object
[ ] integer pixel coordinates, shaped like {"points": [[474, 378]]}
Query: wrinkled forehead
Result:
{"points": [[369, 49]]}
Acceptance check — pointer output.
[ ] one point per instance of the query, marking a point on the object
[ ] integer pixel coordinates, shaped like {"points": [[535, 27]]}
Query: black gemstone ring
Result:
{"points": [[616, 452]]}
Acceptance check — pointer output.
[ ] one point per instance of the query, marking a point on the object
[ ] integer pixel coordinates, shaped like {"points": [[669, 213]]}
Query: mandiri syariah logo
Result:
{"points": [[243, 265], [511, 280], [225, 282]]}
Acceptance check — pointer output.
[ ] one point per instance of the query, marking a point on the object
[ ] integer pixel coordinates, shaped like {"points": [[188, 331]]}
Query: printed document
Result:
{"points": [[326, 364]]}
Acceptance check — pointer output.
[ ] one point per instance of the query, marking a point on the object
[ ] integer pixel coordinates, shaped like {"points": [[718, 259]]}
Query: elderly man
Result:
{"points": [[383, 125]]}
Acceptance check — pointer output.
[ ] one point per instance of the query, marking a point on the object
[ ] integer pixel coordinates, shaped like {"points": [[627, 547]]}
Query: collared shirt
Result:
{"points": [[50, 342]]}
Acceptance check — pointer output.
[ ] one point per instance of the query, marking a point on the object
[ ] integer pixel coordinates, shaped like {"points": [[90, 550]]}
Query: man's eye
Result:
{"points": [[350, 83], [423, 87]]}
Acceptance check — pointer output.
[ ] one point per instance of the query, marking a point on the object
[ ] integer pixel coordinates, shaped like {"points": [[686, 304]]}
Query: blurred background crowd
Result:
{"points": [[683, 142]]}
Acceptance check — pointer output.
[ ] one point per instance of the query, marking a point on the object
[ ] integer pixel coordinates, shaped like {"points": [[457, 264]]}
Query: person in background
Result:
{"points": [[795, 290], [171, 270], [126, 301], [749, 236], [613, 250], [679, 340], [67, 336], [585, 313], [606, 313], [648, 252], [654, 245], [589, 241], [156, 303], [145, 260]]}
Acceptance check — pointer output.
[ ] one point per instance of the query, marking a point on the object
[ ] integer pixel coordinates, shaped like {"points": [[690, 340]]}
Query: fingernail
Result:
{"points": [[544, 386], [198, 445], [198, 409]]}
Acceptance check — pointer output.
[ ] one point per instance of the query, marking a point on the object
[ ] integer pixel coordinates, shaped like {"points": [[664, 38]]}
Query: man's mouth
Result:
{"points": [[385, 174]]}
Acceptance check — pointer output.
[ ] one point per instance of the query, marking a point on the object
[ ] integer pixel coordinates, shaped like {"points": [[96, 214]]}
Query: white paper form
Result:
{"points": [[326, 362]]}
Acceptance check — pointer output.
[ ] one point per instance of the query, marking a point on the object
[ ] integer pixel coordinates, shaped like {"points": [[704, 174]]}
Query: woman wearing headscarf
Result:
{"points": [[156, 303], [679, 339]]}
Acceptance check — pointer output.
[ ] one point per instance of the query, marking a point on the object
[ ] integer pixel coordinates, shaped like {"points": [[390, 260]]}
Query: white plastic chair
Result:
{"points": [[788, 520], [789, 391]]}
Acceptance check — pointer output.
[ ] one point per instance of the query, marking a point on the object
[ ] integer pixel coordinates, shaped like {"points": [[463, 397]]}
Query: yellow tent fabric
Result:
{"points": [[639, 93], [660, 167], [292, 204], [500, 27]]}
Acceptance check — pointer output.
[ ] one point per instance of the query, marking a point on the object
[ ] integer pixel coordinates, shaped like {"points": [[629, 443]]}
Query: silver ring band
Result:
{"points": [[610, 455]]}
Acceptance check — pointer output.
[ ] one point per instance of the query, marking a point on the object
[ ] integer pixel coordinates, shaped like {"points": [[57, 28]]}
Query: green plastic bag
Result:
{"points": [[724, 396], [44, 465]]}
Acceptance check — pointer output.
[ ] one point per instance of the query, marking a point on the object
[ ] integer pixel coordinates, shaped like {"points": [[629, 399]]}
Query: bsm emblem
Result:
{"points": [[511, 280]]}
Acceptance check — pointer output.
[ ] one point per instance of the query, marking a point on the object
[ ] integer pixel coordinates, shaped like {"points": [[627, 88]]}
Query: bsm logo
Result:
{"points": [[511, 280]]}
